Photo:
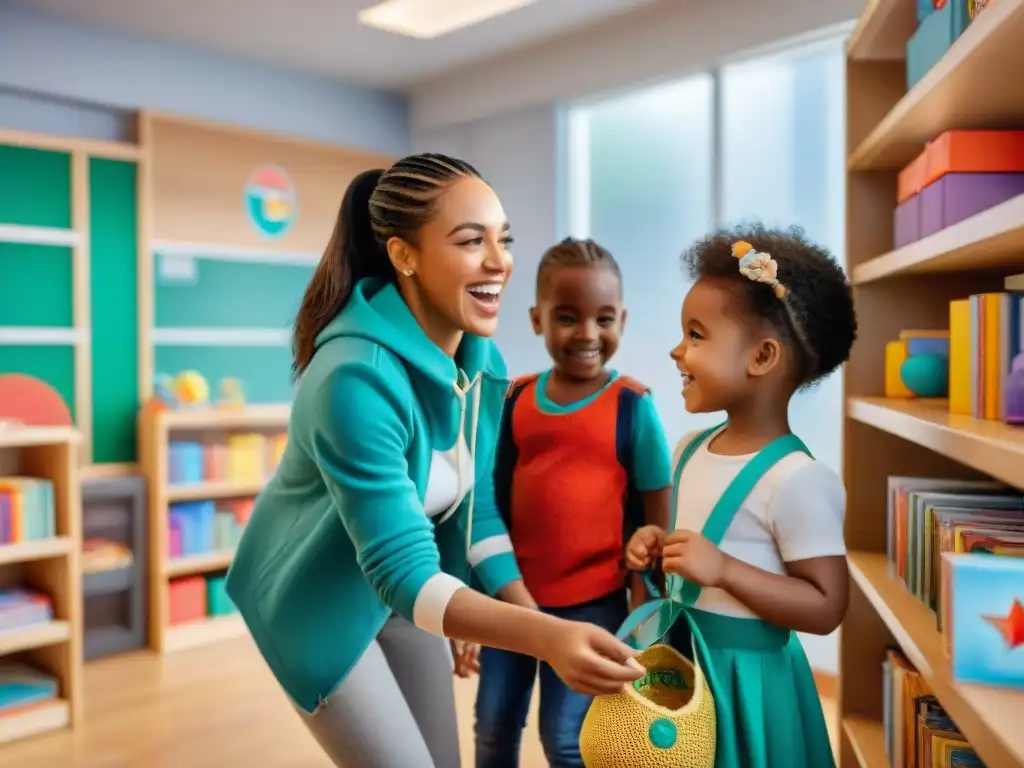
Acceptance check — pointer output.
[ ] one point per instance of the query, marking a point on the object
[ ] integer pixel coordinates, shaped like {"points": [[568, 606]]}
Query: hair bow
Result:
{"points": [[757, 266]]}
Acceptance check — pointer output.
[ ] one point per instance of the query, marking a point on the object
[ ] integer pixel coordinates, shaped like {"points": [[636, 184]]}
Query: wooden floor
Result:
{"points": [[211, 707]]}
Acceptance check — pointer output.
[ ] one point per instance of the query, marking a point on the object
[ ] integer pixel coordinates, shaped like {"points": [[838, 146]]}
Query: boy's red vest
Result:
{"points": [[563, 486]]}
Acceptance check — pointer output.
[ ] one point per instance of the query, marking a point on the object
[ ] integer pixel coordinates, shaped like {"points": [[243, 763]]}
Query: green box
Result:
{"points": [[217, 600]]}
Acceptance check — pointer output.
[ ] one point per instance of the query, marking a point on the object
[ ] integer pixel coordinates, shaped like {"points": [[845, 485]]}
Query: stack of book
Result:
{"points": [[23, 687], [918, 732], [26, 509], [986, 333], [21, 608], [932, 516]]}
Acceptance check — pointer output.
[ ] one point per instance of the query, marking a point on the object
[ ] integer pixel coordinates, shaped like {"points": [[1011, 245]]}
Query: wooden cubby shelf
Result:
{"points": [[157, 428], [989, 716], [905, 288], [991, 447], [957, 92], [50, 566]]}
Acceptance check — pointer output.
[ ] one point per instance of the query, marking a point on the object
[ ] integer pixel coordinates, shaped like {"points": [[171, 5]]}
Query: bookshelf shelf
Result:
{"points": [[994, 239], [866, 741], [26, 551], [197, 633], [185, 566], [156, 431], [911, 287], [992, 447], [50, 566], [990, 717], [949, 96], [34, 636], [882, 31]]}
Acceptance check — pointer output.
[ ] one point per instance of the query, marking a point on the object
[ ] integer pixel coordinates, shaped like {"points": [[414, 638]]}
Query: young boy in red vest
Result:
{"points": [[582, 462]]}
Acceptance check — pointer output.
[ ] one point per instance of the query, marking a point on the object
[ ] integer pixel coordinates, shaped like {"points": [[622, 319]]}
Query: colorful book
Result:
{"points": [[20, 608], [22, 686], [960, 357], [27, 510]]}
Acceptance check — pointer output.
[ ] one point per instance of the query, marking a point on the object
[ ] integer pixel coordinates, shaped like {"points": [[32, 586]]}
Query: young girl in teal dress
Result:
{"points": [[755, 550]]}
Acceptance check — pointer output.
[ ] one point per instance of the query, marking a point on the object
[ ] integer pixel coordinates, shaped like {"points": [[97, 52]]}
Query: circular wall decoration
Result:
{"points": [[270, 201]]}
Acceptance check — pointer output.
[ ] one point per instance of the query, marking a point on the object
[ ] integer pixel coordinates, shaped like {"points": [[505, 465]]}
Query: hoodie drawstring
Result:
{"points": [[461, 390]]}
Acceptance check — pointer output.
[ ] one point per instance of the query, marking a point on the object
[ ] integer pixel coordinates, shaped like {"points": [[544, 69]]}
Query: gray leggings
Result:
{"points": [[396, 708]]}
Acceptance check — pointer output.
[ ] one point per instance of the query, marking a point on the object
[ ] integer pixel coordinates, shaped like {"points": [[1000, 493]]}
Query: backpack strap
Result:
{"points": [[630, 393], [506, 455]]}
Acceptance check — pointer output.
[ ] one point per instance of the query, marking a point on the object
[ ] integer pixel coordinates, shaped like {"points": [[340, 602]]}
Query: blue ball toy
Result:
{"points": [[926, 375]]}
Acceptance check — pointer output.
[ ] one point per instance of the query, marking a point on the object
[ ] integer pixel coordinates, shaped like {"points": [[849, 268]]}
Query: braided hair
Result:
{"points": [[572, 252], [377, 205]]}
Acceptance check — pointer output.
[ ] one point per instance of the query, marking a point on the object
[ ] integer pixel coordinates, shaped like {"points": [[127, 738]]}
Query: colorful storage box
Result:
{"points": [[973, 152], [195, 520], [958, 196], [185, 463], [983, 617], [217, 599], [187, 599], [907, 222], [934, 36], [911, 179]]}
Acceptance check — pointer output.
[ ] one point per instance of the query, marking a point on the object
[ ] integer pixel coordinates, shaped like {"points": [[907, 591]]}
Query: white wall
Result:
{"points": [[517, 153], [62, 77], [667, 39]]}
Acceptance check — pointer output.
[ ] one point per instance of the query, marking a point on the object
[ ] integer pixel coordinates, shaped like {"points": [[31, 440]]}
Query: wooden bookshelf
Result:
{"points": [[910, 288], [157, 429], [50, 566]]}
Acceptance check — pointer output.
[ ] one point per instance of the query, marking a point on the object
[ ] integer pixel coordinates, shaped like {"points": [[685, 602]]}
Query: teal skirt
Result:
{"points": [[769, 711]]}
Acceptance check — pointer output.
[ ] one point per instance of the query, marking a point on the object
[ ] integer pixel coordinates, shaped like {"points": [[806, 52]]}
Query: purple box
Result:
{"points": [[958, 196], [907, 222]]}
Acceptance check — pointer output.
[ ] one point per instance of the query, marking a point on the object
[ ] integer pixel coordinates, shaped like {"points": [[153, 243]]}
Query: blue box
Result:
{"points": [[925, 8], [185, 463], [197, 526], [934, 36], [983, 607]]}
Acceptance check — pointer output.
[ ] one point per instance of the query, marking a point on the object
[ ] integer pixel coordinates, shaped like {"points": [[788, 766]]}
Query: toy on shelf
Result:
{"points": [[186, 390], [243, 458], [230, 394], [1015, 391], [917, 364]]}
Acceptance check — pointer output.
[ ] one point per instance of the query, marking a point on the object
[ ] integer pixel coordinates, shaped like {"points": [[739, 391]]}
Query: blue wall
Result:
{"points": [[62, 77]]}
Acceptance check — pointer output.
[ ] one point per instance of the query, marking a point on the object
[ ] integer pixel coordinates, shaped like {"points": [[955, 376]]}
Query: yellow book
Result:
{"points": [[895, 354], [960, 357], [992, 377]]}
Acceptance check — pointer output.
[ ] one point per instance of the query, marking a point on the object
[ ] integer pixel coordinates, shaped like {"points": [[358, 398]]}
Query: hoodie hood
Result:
{"points": [[378, 313]]}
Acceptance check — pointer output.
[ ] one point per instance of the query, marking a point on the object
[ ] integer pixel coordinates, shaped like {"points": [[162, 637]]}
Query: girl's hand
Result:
{"points": [[644, 547], [690, 555], [590, 660], [466, 657]]}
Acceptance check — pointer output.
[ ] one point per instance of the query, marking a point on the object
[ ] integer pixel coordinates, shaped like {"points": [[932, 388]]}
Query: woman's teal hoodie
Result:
{"points": [[339, 538]]}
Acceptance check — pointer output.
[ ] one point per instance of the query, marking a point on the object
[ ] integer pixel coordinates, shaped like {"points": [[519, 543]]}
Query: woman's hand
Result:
{"points": [[644, 547], [690, 555], [590, 660], [466, 657]]}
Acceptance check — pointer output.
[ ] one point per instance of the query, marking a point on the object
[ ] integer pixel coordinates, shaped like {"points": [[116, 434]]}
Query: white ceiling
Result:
{"points": [[323, 36]]}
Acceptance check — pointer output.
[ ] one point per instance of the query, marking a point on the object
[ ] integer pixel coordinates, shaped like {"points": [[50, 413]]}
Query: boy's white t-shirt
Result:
{"points": [[795, 512]]}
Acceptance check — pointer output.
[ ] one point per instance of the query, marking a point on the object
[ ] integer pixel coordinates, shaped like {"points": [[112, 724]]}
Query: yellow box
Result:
{"points": [[895, 354]]}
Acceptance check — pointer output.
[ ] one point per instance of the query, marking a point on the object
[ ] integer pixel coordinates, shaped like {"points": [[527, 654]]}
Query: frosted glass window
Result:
{"points": [[782, 123], [641, 169]]}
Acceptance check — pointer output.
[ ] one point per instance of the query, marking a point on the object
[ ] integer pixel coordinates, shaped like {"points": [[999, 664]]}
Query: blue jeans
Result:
{"points": [[506, 685]]}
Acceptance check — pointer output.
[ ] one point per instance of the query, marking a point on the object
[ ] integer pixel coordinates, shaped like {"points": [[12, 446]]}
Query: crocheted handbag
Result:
{"points": [[664, 720]]}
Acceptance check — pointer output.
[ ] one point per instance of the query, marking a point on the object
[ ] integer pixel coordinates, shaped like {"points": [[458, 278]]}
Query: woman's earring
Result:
{"points": [[407, 272]]}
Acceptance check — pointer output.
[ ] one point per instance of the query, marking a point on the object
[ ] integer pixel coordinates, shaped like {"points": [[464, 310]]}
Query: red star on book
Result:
{"points": [[1012, 626]]}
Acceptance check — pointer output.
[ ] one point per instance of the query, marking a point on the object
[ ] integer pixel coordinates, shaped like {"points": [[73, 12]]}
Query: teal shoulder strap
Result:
{"points": [[684, 458], [739, 489]]}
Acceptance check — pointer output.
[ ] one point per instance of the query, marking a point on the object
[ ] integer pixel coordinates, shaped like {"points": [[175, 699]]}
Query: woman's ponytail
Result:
{"points": [[352, 253]]}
